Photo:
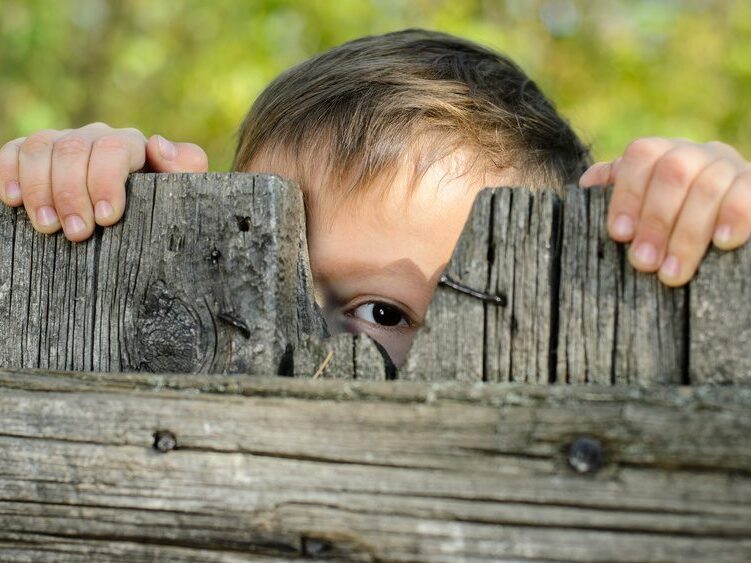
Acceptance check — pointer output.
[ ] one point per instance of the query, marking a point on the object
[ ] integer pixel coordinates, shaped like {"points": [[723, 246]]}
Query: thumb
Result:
{"points": [[600, 174], [165, 156]]}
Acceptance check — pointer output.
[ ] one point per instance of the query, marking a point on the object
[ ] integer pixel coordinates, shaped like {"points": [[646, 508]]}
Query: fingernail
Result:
{"points": [[74, 225], [46, 216], [12, 190], [166, 149], [623, 226], [103, 211], [646, 254], [670, 268], [722, 234]]}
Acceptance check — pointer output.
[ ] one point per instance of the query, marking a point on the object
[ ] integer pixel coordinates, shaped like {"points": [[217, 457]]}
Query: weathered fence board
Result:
{"points": [[445, 329], [177, 286], [615, 325], [181, 282], [370, 471], [720, 319], [576, 310]]}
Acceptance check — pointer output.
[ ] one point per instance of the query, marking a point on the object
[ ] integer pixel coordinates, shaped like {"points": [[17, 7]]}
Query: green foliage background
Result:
{"points": [[189, 69]]}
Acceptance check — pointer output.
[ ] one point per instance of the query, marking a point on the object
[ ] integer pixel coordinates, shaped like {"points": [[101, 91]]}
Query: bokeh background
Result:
{"points": [[189, 69]]}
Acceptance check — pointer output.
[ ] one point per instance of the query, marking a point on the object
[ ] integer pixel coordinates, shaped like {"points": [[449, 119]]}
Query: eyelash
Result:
{"points": [[350, 313]]}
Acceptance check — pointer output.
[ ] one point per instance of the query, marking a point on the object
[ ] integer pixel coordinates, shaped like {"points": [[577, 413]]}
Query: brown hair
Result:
{"points": [[358, 109]]}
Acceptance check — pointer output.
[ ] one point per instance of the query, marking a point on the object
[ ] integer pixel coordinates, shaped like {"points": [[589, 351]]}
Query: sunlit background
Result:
{"points": [[189, 69]]}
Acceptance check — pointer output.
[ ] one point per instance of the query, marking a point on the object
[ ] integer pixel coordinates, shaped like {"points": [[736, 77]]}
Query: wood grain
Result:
{"points": [[210, 273], [616, 325], [198, 264], [720, 320], [386, 471]]}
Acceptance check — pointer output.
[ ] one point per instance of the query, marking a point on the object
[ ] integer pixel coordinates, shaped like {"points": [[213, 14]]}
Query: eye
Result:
{"points": [[380, 313]]}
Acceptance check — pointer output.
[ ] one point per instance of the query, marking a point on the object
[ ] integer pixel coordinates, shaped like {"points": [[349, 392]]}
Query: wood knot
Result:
{"points": [[169, 334]]}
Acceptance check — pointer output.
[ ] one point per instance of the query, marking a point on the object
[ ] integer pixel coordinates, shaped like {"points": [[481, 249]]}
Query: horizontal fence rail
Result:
{"points": [[127, 467]]}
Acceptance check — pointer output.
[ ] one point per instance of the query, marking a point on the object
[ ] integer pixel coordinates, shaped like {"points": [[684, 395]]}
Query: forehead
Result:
{"points": [[393, 239]]}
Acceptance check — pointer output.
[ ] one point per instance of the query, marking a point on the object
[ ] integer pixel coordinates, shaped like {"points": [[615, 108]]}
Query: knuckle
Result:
{"points": [[708, 189], [738, 210], [655, 223], [110, 143], [96, 125], [71, 145], [36, 193], [684, 243], [67, 199], [718, 145], [723, 148], [714, 180], [134, 132], [644, 148], [12, 146], [672, 169], [37, 143], [104, 185]]}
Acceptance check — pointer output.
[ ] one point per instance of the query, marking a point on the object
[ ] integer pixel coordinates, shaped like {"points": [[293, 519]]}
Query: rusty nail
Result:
{"points": [[235, 321]]}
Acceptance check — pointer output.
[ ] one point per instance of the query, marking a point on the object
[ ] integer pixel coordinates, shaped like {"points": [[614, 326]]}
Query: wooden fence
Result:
{"points": [[486, 455]]}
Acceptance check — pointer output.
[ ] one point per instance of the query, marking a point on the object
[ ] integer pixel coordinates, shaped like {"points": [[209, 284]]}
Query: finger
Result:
{"points": [[10, 192], [113, 157], [672, 175], [631, 178], [70, 162], [34, 168], [165, 156], [599, 174], [733, 227], [693, 229]]}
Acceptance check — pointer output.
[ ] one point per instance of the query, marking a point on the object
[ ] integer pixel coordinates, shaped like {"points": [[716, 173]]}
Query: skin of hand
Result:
{"points": [[75, 178], [671, 198]]}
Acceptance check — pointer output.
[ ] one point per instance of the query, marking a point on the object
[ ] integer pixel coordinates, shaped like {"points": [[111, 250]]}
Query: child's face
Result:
{"points": [[376, 261]]}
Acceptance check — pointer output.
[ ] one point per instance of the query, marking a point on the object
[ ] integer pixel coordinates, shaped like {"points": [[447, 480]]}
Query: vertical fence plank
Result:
{"points": [[450, 345], [522, 252], [720, 323], [197, 265], [616, 325]]}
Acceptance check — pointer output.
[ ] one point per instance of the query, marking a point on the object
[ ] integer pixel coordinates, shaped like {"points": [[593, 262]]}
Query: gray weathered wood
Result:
{"points": [[577, 311], [450, 344], [151, 293], [368, 471], [342, 356], [720, 321], [616, 325], [522, 267], [198, 263]]}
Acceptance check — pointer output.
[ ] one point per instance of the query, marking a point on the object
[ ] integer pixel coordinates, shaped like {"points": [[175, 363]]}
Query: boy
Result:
{"points": [[391, 138]]}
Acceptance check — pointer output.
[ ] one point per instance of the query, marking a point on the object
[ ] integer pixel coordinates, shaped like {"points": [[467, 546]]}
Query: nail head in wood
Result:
{"points": [[164, 441], [585, 455], [315, 547]]}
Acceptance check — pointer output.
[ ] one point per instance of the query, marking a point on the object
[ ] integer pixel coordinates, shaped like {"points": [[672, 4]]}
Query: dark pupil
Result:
{"points": [[386, 314]]}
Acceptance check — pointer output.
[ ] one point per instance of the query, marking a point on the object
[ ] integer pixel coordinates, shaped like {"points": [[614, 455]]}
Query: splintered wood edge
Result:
{"points": [[496, 394]]}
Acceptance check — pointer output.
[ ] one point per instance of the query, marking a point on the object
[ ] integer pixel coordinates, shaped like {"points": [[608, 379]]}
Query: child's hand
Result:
{"points": [[671, 198], [77, 176]]}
